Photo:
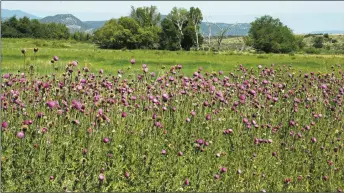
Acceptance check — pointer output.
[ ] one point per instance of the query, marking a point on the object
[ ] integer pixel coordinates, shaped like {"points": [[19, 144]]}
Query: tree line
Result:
{"points": [[145, 28], [26, 28]]}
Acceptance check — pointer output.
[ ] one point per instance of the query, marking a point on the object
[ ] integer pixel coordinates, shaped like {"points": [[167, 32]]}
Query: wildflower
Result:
{"points": [[20, 135], [106, 140], [101, 177]]}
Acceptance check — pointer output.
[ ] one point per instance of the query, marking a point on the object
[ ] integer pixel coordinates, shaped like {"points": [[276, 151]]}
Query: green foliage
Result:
{"points": [[182, 27], [312, 51], [168, 35], [326, 36], [318, 42], [146, 16], [26, 28], [126, 33], [270, 35], [300, 42]]}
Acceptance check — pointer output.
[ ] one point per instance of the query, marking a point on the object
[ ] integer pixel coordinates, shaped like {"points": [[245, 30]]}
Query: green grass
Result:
{"points": [[112, 60]]}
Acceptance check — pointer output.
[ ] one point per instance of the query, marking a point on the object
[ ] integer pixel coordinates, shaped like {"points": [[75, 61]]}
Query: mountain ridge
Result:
{"points": [[6, 13]]}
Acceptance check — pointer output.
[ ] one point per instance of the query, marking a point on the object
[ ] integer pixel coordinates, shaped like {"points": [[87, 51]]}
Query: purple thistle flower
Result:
{"points": [[51, 104], [4, 124], [101, 177], [223, 169], [20, 135], [314, 139], [187, 182], [44, 130], [106, 140], [127, 174], [132, 61], [74, 63], [56, 58], [163, 152]]}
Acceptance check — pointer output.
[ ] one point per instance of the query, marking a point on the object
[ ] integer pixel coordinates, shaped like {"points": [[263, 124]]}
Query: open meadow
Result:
{"points": [[113, 60], [88, 119]]}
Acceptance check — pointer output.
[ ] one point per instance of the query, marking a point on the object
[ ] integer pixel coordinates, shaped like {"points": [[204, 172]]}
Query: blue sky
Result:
{"points": [[301, 16]]}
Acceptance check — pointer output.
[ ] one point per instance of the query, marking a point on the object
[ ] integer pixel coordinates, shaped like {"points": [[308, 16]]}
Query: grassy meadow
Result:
{"points": [[112, 60]]}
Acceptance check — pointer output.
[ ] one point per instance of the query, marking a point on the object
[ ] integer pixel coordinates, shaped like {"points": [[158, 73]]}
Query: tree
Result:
{"points": [[270, 35], [179, 17], [169, 39], [209, 25], [148, 37], [189, 38], [126, 32], [146, 16], [318, 42], [195, 17], [25, 27], [221, 34]]}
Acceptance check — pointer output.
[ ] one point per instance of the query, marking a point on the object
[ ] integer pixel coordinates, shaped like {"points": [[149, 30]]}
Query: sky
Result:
{"points": [[301, 16]]}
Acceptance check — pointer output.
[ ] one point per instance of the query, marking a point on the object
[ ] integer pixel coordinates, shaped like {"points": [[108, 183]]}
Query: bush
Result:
{"points": [[271, 36], [318, 42], [312, 51]]}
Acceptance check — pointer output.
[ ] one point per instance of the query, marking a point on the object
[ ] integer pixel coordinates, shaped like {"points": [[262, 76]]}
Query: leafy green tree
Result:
{"points": [[126, 33], [318, 42], [179, 17], [270, 35], [146, 16], [148, 37], [195, 17], [24, 27], [299, 42], [169, 38]]}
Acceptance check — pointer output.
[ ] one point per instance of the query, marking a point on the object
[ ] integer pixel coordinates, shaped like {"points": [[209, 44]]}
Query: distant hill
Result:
{"points": [[240, 29], [6, 13], [328, 32], [95, 24], [73, 23]]}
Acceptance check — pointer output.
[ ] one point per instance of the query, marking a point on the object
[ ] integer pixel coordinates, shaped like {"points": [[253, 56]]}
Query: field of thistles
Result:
{"points": [[253, 129]]}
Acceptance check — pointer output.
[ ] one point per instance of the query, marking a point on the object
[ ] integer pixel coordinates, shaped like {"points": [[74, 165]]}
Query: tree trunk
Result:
{"points": [[209, 38], [180, 27], [197, 45]]}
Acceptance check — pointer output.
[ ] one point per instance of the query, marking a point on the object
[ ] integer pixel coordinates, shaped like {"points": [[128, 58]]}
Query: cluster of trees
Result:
{"points": [[26, 28], [179, 30], [143, 29]]}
